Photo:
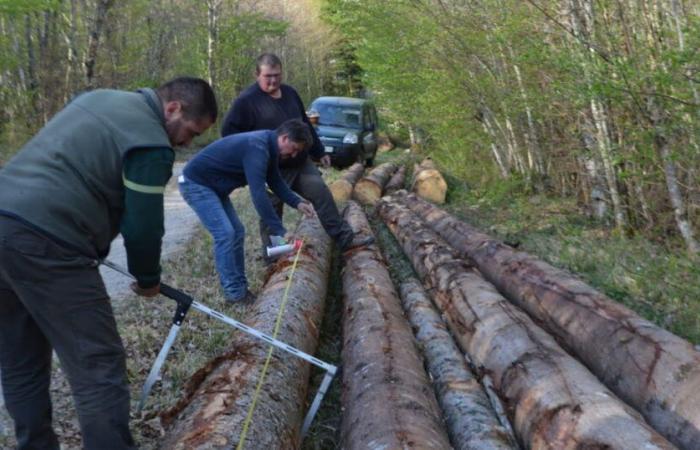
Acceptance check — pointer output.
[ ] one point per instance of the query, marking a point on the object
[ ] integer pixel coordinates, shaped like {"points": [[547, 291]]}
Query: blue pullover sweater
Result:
{"points": [[244, 159]]}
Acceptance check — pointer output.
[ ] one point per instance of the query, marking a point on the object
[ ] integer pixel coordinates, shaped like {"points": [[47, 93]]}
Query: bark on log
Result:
{"points": [[471, 422], [342, 188], [397, 180], [555, 402], [650, 368], [370, 187], [387, 399], [428, 182], [218, 396]]}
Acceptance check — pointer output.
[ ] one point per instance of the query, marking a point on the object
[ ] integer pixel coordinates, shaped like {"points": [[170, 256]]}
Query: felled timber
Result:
{"points": [[555, 402], [650, 368], [342, 187], [370, 187], [428, 182], [218, 396], [472, 423], [396, 181], [387, 399]]}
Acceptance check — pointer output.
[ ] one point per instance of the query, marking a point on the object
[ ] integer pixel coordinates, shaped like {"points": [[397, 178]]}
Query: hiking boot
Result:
{"points": [[247, 299], [357, 240]]}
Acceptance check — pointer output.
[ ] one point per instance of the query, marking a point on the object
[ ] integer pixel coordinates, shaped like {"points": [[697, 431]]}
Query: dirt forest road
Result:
{"points": [[180, 223]]}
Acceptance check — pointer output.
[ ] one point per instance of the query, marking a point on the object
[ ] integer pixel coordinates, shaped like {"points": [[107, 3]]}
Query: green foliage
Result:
{"points": [[11, 7]]}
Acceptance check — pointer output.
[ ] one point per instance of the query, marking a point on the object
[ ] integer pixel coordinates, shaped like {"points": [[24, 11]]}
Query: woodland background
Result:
{"points": [[595, 102]]}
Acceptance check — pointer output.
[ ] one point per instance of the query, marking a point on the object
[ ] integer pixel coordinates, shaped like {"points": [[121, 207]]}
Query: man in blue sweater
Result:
{"points": [[232, 162], [265, 105]]}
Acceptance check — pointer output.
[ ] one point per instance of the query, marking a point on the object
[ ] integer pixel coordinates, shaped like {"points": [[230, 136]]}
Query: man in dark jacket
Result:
{"points": [[233, 162], [98, 167], [265, 105]]}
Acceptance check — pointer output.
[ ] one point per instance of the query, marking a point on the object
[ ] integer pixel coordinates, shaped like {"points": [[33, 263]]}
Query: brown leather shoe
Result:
{"points": [[248, 299]]}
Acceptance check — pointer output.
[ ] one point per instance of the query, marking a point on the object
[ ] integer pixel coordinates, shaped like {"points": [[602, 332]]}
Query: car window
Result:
{"points": [[338, 116]]}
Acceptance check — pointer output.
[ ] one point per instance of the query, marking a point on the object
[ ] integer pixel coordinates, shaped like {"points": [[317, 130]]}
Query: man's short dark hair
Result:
{"points": [[297, 131], [197, 97], [267, 59]]}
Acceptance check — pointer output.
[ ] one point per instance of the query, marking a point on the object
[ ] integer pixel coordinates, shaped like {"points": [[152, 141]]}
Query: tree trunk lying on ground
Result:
{"points": [[218, 396], [471, 422], [397, 180], [342, 188], [651, 369], [387, 399], [370, 187], [555, 402], [428, 182]]}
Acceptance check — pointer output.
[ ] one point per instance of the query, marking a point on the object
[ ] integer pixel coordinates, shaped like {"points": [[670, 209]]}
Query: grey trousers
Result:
{"points": [[306, 181], [52, 298]]}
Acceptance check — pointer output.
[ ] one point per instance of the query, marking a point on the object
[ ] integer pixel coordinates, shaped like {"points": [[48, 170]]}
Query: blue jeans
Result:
{"points": [[219, 218]]}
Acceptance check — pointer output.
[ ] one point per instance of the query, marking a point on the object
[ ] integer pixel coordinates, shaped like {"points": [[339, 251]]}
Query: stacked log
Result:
{"points": [[397, 181], [554, 402], [387, 398], [218, 396], [471, 422], [342, 188], [648, 367], [428, 182], [370, 187]]}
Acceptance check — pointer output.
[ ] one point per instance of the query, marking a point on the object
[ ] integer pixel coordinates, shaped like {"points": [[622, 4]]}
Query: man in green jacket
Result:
{"points": [[98, 168]]}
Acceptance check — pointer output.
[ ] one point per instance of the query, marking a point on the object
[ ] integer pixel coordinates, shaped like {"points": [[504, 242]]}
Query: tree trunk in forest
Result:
{"points": [[72, 53], [471, 421], [428, 183], [212, 29], [387, 398], [495, 148], [94, 40], [651, 369], [397, 180], [554, 401], [674, 191], [370, 187], [218, 396], [342, 188]]}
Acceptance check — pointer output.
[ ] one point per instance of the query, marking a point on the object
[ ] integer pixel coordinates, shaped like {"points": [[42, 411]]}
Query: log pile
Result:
{"points": [[370, 187], [554, 401], [387, 399], [397, 181], [428, 182], [219, 395], [648, 367], [471, 421], [342, 188]]}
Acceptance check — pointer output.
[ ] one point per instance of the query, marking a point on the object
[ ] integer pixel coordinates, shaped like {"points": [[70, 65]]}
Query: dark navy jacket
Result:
{"points": [[244, 159], [254, 109]]}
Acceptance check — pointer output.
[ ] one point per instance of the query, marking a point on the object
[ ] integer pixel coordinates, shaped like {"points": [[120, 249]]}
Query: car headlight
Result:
{"points": [[350, 138]]}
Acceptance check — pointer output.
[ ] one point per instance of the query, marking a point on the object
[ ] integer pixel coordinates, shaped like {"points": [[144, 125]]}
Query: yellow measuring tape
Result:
{"points": [[278, 323]]}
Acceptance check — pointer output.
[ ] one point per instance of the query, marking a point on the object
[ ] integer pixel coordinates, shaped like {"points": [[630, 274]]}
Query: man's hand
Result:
{"points": [[326, 161], [306, 208], [145, 292]]}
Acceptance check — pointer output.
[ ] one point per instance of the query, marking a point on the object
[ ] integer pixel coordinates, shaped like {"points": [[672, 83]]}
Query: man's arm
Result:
{"points": [[239, 119], [280, 187], [255, 165], [146, 172]]}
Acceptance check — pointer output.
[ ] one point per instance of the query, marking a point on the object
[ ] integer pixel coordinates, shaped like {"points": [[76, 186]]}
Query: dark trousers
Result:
{"points": [[52, 298], [306, 181]]}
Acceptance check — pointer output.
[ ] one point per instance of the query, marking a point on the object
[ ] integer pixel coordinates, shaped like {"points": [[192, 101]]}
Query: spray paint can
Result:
{"points": [[280, 250]]}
